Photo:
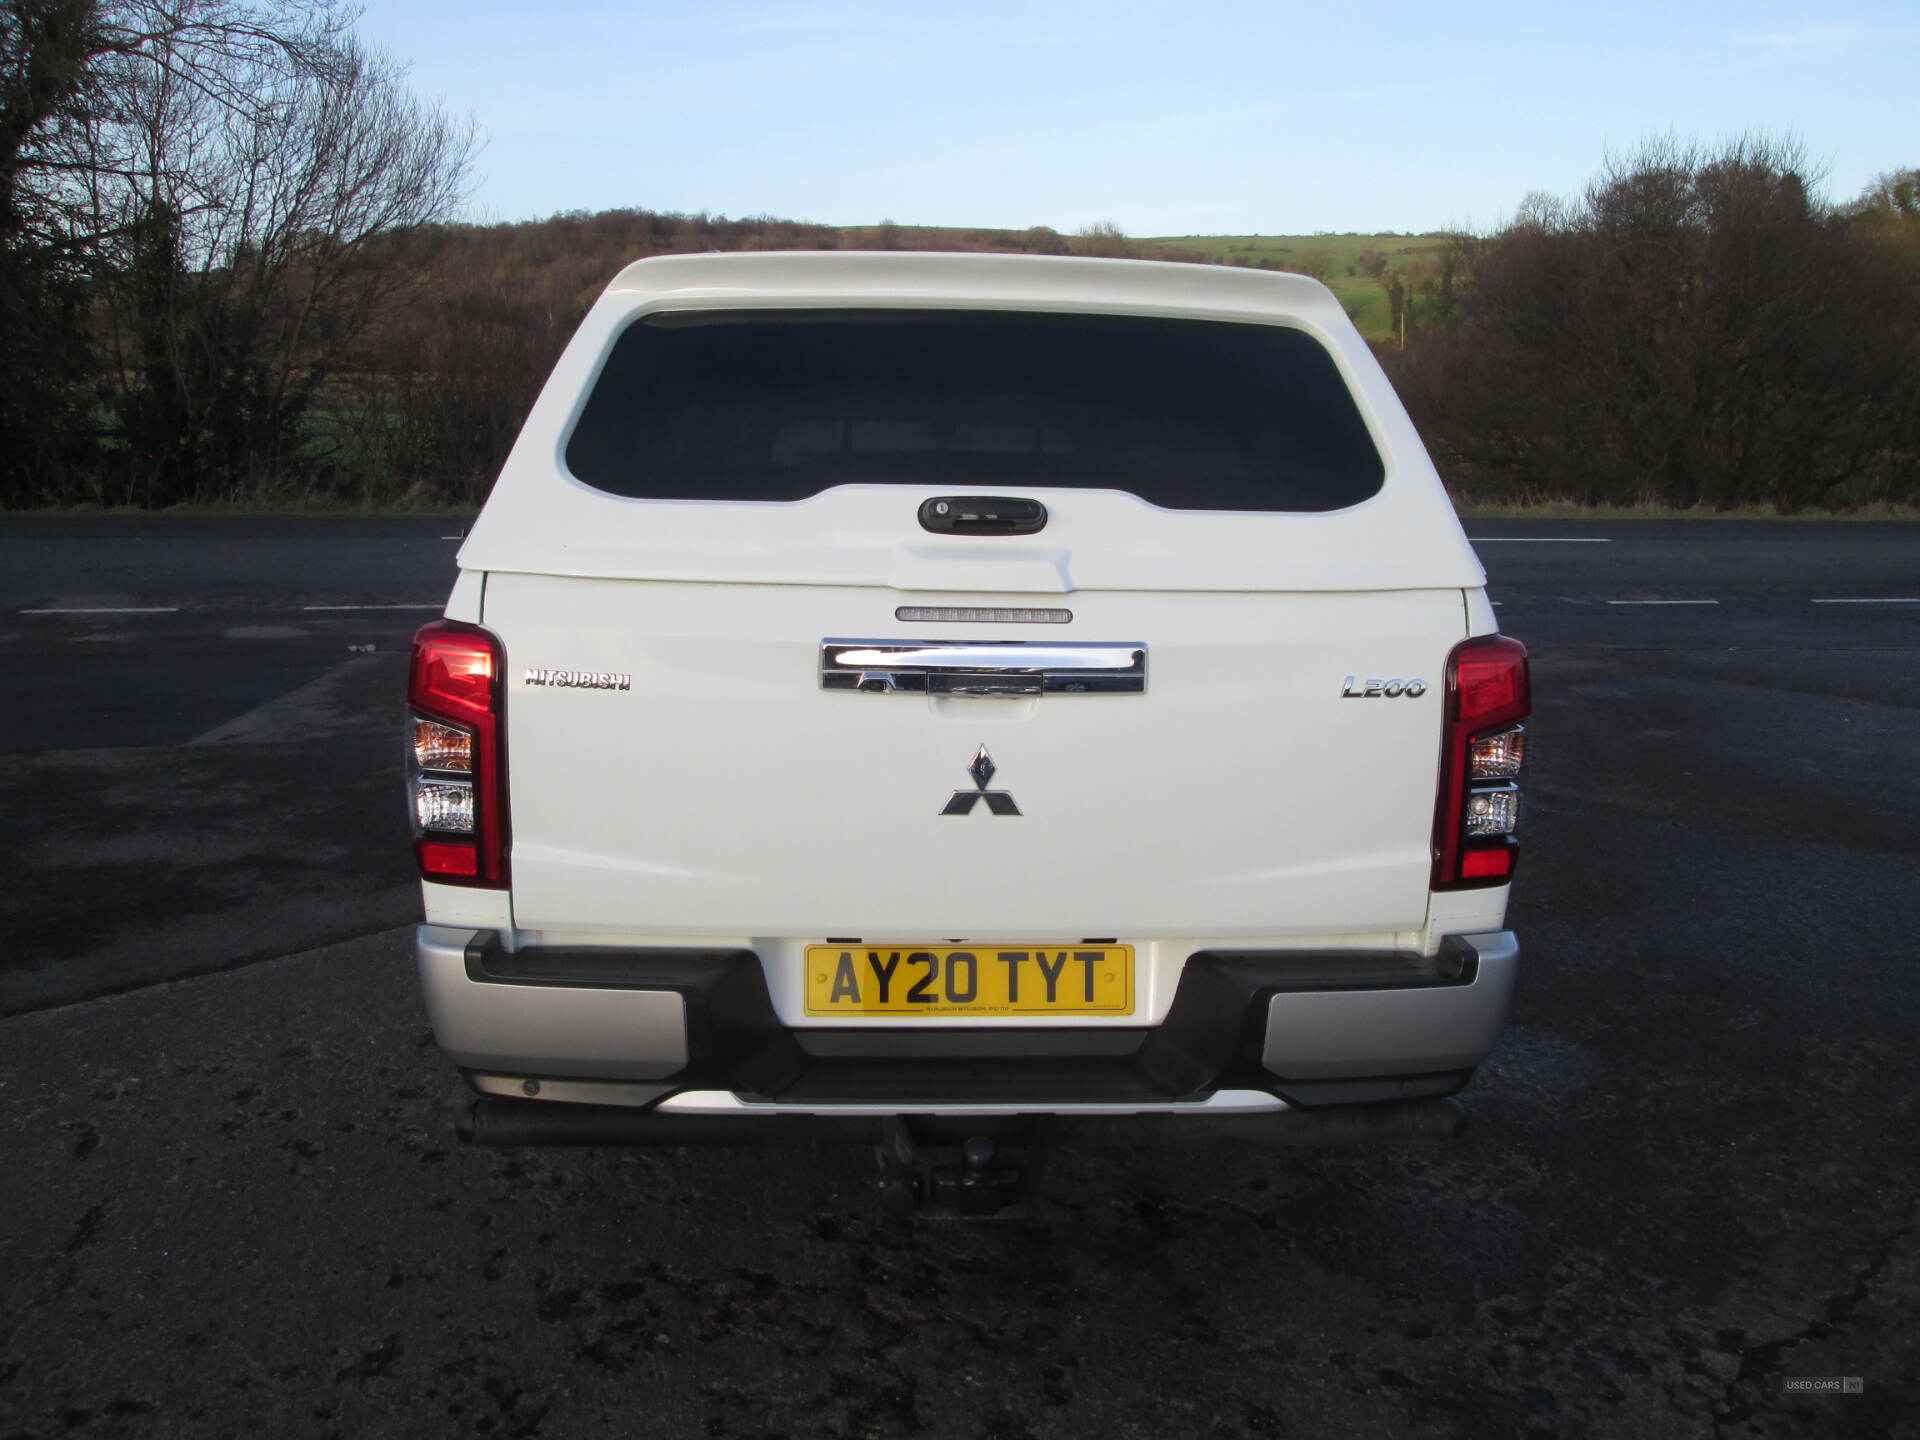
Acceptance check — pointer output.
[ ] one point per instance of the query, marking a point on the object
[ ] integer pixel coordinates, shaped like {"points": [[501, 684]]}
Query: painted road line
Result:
{"points": [[1873, 600], [440, 606], [1541, 539], [108, 610], [1663, 602]]}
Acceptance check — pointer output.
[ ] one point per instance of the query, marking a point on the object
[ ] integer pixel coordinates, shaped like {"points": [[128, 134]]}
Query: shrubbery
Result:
{"points": [[1696, 329]]}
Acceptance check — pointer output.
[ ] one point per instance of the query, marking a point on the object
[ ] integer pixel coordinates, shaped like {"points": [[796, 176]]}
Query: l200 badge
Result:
{"points": [[1382, 689], [578, 679]]}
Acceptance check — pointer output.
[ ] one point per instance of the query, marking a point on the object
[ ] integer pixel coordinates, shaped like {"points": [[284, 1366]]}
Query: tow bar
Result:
{"points": [[983, 1179]]}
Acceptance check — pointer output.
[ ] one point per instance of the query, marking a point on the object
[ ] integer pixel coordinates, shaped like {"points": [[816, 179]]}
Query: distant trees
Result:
{"points": [[1694, 329], [432, 397], [1893, 197], [1045, 240], [1396, 305], [1316, 263], [1103, 237], [1889, 214]]}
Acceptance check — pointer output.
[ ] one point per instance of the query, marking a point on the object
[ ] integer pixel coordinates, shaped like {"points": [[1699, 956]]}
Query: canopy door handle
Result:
{"points": [[982, 515]]}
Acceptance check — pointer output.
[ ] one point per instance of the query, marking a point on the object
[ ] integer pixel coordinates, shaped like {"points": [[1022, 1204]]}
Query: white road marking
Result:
{"points": [[1663, 602], [108, 610], [1541, 539], [453, 537], [1874, 600], [373, 607]]}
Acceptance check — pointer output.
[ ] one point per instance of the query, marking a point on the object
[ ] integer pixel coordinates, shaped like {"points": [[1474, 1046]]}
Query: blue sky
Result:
{"points": [[1166, 118]]}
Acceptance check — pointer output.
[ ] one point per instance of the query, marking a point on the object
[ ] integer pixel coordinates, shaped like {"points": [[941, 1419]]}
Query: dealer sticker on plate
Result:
{"points": [[909, 979]]}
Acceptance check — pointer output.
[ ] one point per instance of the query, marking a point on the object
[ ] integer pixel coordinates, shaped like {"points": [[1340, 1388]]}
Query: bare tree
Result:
{"points": [[241, 268], [73, 72], [216, 170]]}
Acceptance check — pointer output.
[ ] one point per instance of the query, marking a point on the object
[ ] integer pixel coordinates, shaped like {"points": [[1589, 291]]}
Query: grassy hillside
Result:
{"points": [[1334, 259], [1340, 261], [1354, 267]]}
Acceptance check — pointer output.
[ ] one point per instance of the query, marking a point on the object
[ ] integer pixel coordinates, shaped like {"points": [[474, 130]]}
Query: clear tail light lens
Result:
{"points": [[442, 747], [1489, 692], [1492, 811], [456, 755], [444, 807], [1498, 756]]}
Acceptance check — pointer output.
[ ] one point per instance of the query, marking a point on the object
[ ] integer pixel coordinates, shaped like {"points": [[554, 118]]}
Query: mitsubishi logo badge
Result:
{"points": [[1000, 802]]}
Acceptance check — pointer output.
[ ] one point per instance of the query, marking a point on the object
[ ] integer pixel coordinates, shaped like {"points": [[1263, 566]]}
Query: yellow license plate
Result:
{"points": [[909, 979]]}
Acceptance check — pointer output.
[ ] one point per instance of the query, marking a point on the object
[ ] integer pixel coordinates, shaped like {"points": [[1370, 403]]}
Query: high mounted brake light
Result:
{"points": [[1489, 692], [456, 762]]}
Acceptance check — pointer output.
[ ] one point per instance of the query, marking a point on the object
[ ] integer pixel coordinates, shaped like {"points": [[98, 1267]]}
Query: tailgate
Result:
{"points": [[704, 782]]}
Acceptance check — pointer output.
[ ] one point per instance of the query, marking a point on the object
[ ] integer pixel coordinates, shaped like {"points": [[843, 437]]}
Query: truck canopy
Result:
{"points": [[1191, 428]]}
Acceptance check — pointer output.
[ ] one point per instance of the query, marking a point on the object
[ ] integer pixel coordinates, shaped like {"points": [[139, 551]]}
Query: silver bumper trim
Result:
{"points": [[545, 1029], [1344, 1034], [725, 1102], [567, 1092]]}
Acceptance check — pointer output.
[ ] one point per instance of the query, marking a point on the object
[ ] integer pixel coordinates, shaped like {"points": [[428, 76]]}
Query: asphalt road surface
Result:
{"points": [[235, 1204]]}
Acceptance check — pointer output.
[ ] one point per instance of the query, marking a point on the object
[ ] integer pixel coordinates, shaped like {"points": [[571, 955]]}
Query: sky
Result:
{"points": [[1171, 118]]}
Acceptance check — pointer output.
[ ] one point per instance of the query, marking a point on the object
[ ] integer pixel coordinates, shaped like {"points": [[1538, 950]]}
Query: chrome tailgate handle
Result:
{"points": [[986, 669]]}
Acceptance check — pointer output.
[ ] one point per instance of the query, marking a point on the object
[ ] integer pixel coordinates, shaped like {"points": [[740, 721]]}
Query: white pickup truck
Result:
{"points": [[967, 697]]}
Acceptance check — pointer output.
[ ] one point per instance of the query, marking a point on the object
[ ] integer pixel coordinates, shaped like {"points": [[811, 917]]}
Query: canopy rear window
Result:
{"points": [[780, 405]]}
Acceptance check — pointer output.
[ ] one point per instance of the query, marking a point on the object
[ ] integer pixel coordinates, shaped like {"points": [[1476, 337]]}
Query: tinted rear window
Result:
{"points": [[1189, 415]]}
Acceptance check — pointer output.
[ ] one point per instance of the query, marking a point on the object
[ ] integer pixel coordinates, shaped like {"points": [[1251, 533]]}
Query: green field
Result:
{"points": [[1336, 259], [1413, 257]]}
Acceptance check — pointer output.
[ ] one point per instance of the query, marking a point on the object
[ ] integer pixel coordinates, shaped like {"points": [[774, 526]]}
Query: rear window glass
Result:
{"points": [[1188, 415]]}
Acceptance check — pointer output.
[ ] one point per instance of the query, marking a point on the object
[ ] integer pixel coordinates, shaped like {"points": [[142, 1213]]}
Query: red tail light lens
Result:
{"points": [[1488, 865], [447, 863], [456, 755], [1488, 684], [1489, 692]]}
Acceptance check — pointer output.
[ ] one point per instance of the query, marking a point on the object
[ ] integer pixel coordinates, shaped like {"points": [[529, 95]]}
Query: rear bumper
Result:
{"points": [[696, 1029]]}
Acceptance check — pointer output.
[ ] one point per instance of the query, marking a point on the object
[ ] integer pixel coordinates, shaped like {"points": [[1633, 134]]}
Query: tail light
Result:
{"points": [[456, 755], [1488, 694]]}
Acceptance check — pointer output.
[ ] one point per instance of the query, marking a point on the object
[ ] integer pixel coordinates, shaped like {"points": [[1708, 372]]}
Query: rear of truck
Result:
{"points": [[962, 686]]}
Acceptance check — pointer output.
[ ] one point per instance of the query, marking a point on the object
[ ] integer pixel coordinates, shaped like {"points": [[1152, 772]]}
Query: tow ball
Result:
{"points": [[983, 1182]]}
